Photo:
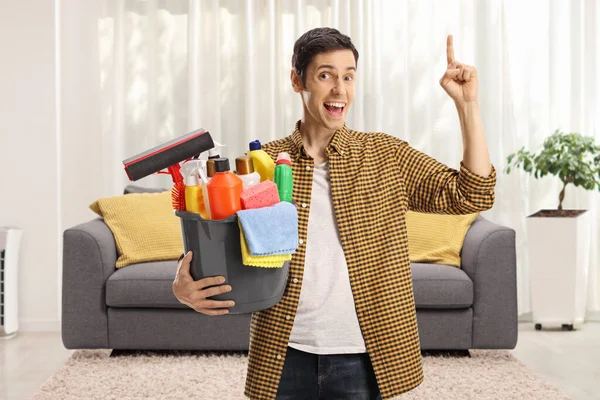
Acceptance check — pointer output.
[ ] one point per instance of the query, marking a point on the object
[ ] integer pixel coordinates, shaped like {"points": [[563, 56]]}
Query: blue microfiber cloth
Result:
{"points": [[270, 230]]}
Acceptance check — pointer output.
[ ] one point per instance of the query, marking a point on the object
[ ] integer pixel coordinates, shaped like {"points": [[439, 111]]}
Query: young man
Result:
{"points": [[346, 326]]}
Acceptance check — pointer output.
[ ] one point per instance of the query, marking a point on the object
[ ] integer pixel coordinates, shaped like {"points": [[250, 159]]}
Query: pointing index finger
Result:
{"points": [[450, 50]]}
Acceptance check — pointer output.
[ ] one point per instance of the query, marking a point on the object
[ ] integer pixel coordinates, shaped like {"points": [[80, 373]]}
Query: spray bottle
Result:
{"points": [[194, 189], [208, 166], [213, 154], [283, 177]]}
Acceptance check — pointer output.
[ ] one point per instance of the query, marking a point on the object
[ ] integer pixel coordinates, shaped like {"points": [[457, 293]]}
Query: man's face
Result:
{"points": [[329, 89]]}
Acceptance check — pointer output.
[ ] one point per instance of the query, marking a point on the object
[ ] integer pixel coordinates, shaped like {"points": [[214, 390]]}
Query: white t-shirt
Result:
{"points": [[326, 321]]}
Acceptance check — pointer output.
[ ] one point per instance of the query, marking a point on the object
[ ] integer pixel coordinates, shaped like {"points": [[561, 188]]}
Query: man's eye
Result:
{"points": [[349, 78], [324, 75]]}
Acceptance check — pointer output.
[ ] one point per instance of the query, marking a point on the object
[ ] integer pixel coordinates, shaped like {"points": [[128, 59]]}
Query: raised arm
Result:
{"points": [[433, 187]]}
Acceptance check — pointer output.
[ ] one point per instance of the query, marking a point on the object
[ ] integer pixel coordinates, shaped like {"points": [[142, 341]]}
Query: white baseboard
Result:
{"points": [[525, 317], [593, 316], [39, 325], [590, 316]]}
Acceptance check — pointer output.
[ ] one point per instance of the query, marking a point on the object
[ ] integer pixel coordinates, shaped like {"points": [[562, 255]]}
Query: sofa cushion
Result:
{"points": [[437, 238], [151, 285], [143, 285], [441, 286], [144, 226]]}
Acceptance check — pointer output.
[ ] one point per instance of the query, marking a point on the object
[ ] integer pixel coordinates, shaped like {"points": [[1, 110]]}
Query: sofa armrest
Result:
{"points": [[489, 259], [89, 258]]}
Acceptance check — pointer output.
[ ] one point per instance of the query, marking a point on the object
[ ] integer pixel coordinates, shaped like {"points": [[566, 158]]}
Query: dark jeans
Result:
{"points": [[327, 377]]}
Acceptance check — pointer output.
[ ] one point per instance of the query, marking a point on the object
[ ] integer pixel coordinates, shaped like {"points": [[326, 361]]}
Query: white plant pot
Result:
{"points": [[558, 249]]}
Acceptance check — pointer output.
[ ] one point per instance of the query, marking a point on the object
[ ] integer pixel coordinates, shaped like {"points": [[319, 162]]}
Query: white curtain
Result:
{"points": [[164, 68]]}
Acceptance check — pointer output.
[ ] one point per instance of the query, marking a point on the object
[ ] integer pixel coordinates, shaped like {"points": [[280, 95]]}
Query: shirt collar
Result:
{"points": [[338, 142]]}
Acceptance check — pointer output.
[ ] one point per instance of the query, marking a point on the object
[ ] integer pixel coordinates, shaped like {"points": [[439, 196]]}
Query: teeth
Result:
{"points": [[336, 104]]}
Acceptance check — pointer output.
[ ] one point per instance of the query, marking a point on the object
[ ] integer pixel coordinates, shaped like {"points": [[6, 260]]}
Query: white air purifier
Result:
{"points": [[558, 267], [10, 241]]}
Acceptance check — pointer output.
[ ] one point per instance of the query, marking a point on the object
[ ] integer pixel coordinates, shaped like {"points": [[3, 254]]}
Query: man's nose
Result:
{"points": [[339, 89]]}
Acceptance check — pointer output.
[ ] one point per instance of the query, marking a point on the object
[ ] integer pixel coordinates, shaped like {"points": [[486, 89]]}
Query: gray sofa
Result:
{"points": [[474, 307]]}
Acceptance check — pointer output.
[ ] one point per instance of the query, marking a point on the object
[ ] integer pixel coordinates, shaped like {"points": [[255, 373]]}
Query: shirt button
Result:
{"points": [[295, 280], [308, 168], [288, 317], [300, 241], [279, 356], [303, 205]]}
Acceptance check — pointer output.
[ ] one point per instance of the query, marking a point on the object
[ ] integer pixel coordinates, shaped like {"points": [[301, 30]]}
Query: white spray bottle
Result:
{"points": [[213, 154], [194, 188], [208, 170]]}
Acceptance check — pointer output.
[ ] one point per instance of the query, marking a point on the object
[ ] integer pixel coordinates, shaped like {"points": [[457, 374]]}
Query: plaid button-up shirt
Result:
{"points": [[375, 178]]}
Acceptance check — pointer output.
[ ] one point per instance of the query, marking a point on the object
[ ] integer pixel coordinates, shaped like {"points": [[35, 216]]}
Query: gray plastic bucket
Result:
{"points": [[217, 251]]}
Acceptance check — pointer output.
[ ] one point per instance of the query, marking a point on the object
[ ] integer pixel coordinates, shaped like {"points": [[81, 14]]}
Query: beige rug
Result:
{"points": [[93, 374]]}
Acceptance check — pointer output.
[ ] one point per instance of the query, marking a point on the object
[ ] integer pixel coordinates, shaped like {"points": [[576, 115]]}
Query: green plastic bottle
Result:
{"points": [[283, 177]]}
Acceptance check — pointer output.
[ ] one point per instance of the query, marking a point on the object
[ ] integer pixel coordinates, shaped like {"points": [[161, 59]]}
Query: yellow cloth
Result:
{"points": [[437, 238], [274, 261], [144, 226]]}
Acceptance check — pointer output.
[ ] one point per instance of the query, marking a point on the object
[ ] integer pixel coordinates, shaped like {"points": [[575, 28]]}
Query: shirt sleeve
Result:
{"points": [[433, 187]]}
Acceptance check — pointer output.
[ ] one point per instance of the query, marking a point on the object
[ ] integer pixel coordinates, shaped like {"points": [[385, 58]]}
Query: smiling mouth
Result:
{"points": [[335, 109]]}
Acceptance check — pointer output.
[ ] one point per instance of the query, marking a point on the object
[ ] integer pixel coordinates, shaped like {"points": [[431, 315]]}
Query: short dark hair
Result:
{"points": [[315, 41]]}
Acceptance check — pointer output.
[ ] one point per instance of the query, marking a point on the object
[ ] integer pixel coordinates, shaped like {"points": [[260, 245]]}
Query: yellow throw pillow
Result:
{"points": [[437, 238], [144, 226]]}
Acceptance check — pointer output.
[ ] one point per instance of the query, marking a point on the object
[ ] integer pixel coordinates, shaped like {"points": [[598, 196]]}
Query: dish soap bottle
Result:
{"points": [[263, 163], [224, 190], [244, 167], [283, 177]]}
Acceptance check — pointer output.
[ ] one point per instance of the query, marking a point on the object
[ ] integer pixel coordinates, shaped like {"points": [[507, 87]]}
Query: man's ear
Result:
{"points": [[296, 81]]}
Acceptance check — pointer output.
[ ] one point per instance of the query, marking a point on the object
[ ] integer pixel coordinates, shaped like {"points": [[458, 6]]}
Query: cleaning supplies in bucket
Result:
{"points": [[263, 163], [224, 191], [270, 230], [194, 189], [266, 218], [262, 195], [213, 154], [244, 168], [283, 177], [169, 155], [274, 261]]}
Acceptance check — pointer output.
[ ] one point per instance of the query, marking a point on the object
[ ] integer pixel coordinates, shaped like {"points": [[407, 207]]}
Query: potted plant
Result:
{"points": [[558, 239]]}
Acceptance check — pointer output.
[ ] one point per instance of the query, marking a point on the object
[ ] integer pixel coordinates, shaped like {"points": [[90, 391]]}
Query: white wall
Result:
{"points": [[81, 148], [48, 154], [28, 156]]}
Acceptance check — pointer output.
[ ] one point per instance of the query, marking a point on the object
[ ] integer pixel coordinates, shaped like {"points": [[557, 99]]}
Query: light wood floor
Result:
{"points": [[568, 360]]}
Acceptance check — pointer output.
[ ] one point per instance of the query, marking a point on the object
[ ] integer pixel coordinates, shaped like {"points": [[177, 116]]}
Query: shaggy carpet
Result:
{"points": [[96, 374]]}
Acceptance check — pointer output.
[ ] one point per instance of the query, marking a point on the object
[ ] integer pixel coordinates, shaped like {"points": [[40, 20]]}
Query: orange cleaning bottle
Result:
{"points": [[224, 190]]}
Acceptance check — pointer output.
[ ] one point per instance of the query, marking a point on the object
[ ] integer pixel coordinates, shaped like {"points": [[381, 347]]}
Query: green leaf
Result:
{"points": [[564, 155]]}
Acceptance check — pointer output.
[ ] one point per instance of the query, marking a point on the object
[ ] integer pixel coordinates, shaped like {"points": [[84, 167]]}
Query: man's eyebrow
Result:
{"points": [[332, 67]]}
